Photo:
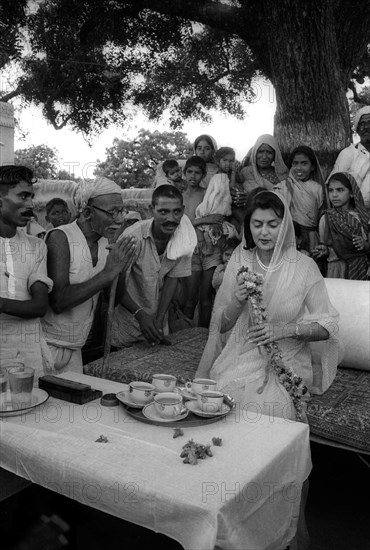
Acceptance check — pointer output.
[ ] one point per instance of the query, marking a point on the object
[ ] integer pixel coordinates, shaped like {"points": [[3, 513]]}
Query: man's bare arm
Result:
{"points": [[65, 295], [27, 309]]}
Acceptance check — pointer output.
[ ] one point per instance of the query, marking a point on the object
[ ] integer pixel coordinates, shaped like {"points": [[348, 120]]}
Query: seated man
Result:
{"points": [[165, 244], [355, 159], [24, 284], [81, 262]]}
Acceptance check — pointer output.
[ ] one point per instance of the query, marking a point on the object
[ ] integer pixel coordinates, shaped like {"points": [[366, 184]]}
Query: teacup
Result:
{"points": [[210, 401], [169, 404], [164, 382], [141, 392], [201, 384]]}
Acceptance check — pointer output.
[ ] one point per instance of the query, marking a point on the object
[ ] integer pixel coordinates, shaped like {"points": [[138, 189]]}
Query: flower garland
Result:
{"points": [[286, 375]]}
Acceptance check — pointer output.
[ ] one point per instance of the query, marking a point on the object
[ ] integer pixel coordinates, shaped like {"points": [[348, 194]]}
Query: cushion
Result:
{"points": [[352, 300]]}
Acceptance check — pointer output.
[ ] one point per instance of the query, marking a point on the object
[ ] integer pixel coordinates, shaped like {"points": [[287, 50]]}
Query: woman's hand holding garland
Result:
{"points": [[266, 334]]}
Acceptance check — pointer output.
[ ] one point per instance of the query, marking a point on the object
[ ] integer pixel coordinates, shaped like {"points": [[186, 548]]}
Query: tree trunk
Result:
{"points": [[304, 67]]}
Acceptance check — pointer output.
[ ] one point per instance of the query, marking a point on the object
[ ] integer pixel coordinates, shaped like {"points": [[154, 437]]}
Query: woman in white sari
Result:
{"points": [[299, 312]]}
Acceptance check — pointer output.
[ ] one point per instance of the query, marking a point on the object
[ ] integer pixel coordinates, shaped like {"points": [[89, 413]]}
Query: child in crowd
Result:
{"points": [[344, 230], [207, 256], [24, 282], [225, 160], [173, 173], [205, 147], [217, 198], [57, 212], [226, 164], [218, 274], [304, 192]]}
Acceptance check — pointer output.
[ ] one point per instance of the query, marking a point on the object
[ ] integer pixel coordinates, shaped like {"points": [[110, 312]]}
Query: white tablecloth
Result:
{"points": [[244, 497]]}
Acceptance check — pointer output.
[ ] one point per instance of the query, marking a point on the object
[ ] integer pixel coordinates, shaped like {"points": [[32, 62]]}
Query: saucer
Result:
{"points": [[150, 412], [125, 398], [188, 394], [194, 408], [38, 398]]}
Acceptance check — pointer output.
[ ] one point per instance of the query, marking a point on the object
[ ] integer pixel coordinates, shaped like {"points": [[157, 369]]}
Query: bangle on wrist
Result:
{"points": [[301, 334], [137, 311]]}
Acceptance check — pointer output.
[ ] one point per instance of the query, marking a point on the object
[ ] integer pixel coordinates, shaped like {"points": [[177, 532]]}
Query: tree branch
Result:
{"points": [[214, 14], [10, 95]]}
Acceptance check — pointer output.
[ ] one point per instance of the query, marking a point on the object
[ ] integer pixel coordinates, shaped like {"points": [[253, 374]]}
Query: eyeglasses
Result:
{"points": [[117, 214]]}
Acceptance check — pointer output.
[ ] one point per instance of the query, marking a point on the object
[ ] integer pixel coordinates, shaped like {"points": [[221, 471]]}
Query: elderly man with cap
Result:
{"points": [[83, 258], [355, 159]]}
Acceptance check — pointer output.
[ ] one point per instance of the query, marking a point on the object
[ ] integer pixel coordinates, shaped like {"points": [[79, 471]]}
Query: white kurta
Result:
{"points": [[23, 263]]}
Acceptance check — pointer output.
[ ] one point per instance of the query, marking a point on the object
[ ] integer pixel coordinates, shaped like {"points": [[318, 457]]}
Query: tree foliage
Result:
{"points": [[132, 163], [12, 17], [43, 160], [90, 63]]}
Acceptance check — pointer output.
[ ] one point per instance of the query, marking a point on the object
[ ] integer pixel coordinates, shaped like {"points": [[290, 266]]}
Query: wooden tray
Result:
{"points": [[191, 420]]}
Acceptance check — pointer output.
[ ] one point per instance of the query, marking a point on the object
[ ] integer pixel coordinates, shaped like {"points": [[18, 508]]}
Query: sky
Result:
{"points": [[78, 157]]}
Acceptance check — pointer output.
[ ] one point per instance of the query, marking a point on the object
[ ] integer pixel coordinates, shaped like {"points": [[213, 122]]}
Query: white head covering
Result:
{"points": [[281, 284], [90, 189], [208, 138], [363, 111]]}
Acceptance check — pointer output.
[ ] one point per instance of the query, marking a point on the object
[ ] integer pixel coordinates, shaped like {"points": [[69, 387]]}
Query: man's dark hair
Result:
{"points": [[198, 162], [53, 202], [167, 191], [11, 175], [169, 164]]}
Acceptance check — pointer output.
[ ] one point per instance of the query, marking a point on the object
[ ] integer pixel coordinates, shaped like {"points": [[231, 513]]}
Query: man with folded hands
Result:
{"points": [[83, 258], [165, 244]]}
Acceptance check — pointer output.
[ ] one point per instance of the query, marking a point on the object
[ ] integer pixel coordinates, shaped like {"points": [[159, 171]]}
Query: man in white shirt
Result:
{"points": [[24, 282]]}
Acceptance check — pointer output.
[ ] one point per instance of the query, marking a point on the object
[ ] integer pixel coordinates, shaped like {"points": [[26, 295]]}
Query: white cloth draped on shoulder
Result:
{"points": [[293, 293], [183, 241]]}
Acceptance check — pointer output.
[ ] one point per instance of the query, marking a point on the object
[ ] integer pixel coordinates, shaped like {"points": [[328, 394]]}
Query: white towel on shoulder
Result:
{"points": [[183, 241]]}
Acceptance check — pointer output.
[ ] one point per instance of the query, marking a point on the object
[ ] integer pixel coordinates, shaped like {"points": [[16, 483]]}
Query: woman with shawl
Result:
{"points": [[344, 230], [205, 147], [298, 312], [304, 191], [265, 170]]}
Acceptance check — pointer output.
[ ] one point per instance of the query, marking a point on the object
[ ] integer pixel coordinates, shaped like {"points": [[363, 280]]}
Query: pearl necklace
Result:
{"points": [[267, 267]]}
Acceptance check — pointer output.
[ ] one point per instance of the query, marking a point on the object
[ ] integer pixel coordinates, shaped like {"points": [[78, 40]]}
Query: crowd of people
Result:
{"points": [[211, 217]]}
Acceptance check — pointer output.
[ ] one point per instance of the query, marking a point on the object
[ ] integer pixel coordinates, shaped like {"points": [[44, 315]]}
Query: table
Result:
{"points": [[339, 417], [246, 496]]}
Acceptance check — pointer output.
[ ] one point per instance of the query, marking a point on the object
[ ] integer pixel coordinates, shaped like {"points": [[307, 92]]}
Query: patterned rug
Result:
{"points": [[342, 414], [141, 361]]}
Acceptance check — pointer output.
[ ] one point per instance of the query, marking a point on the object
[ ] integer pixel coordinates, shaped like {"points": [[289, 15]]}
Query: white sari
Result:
{"points": [[293, 293]]}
